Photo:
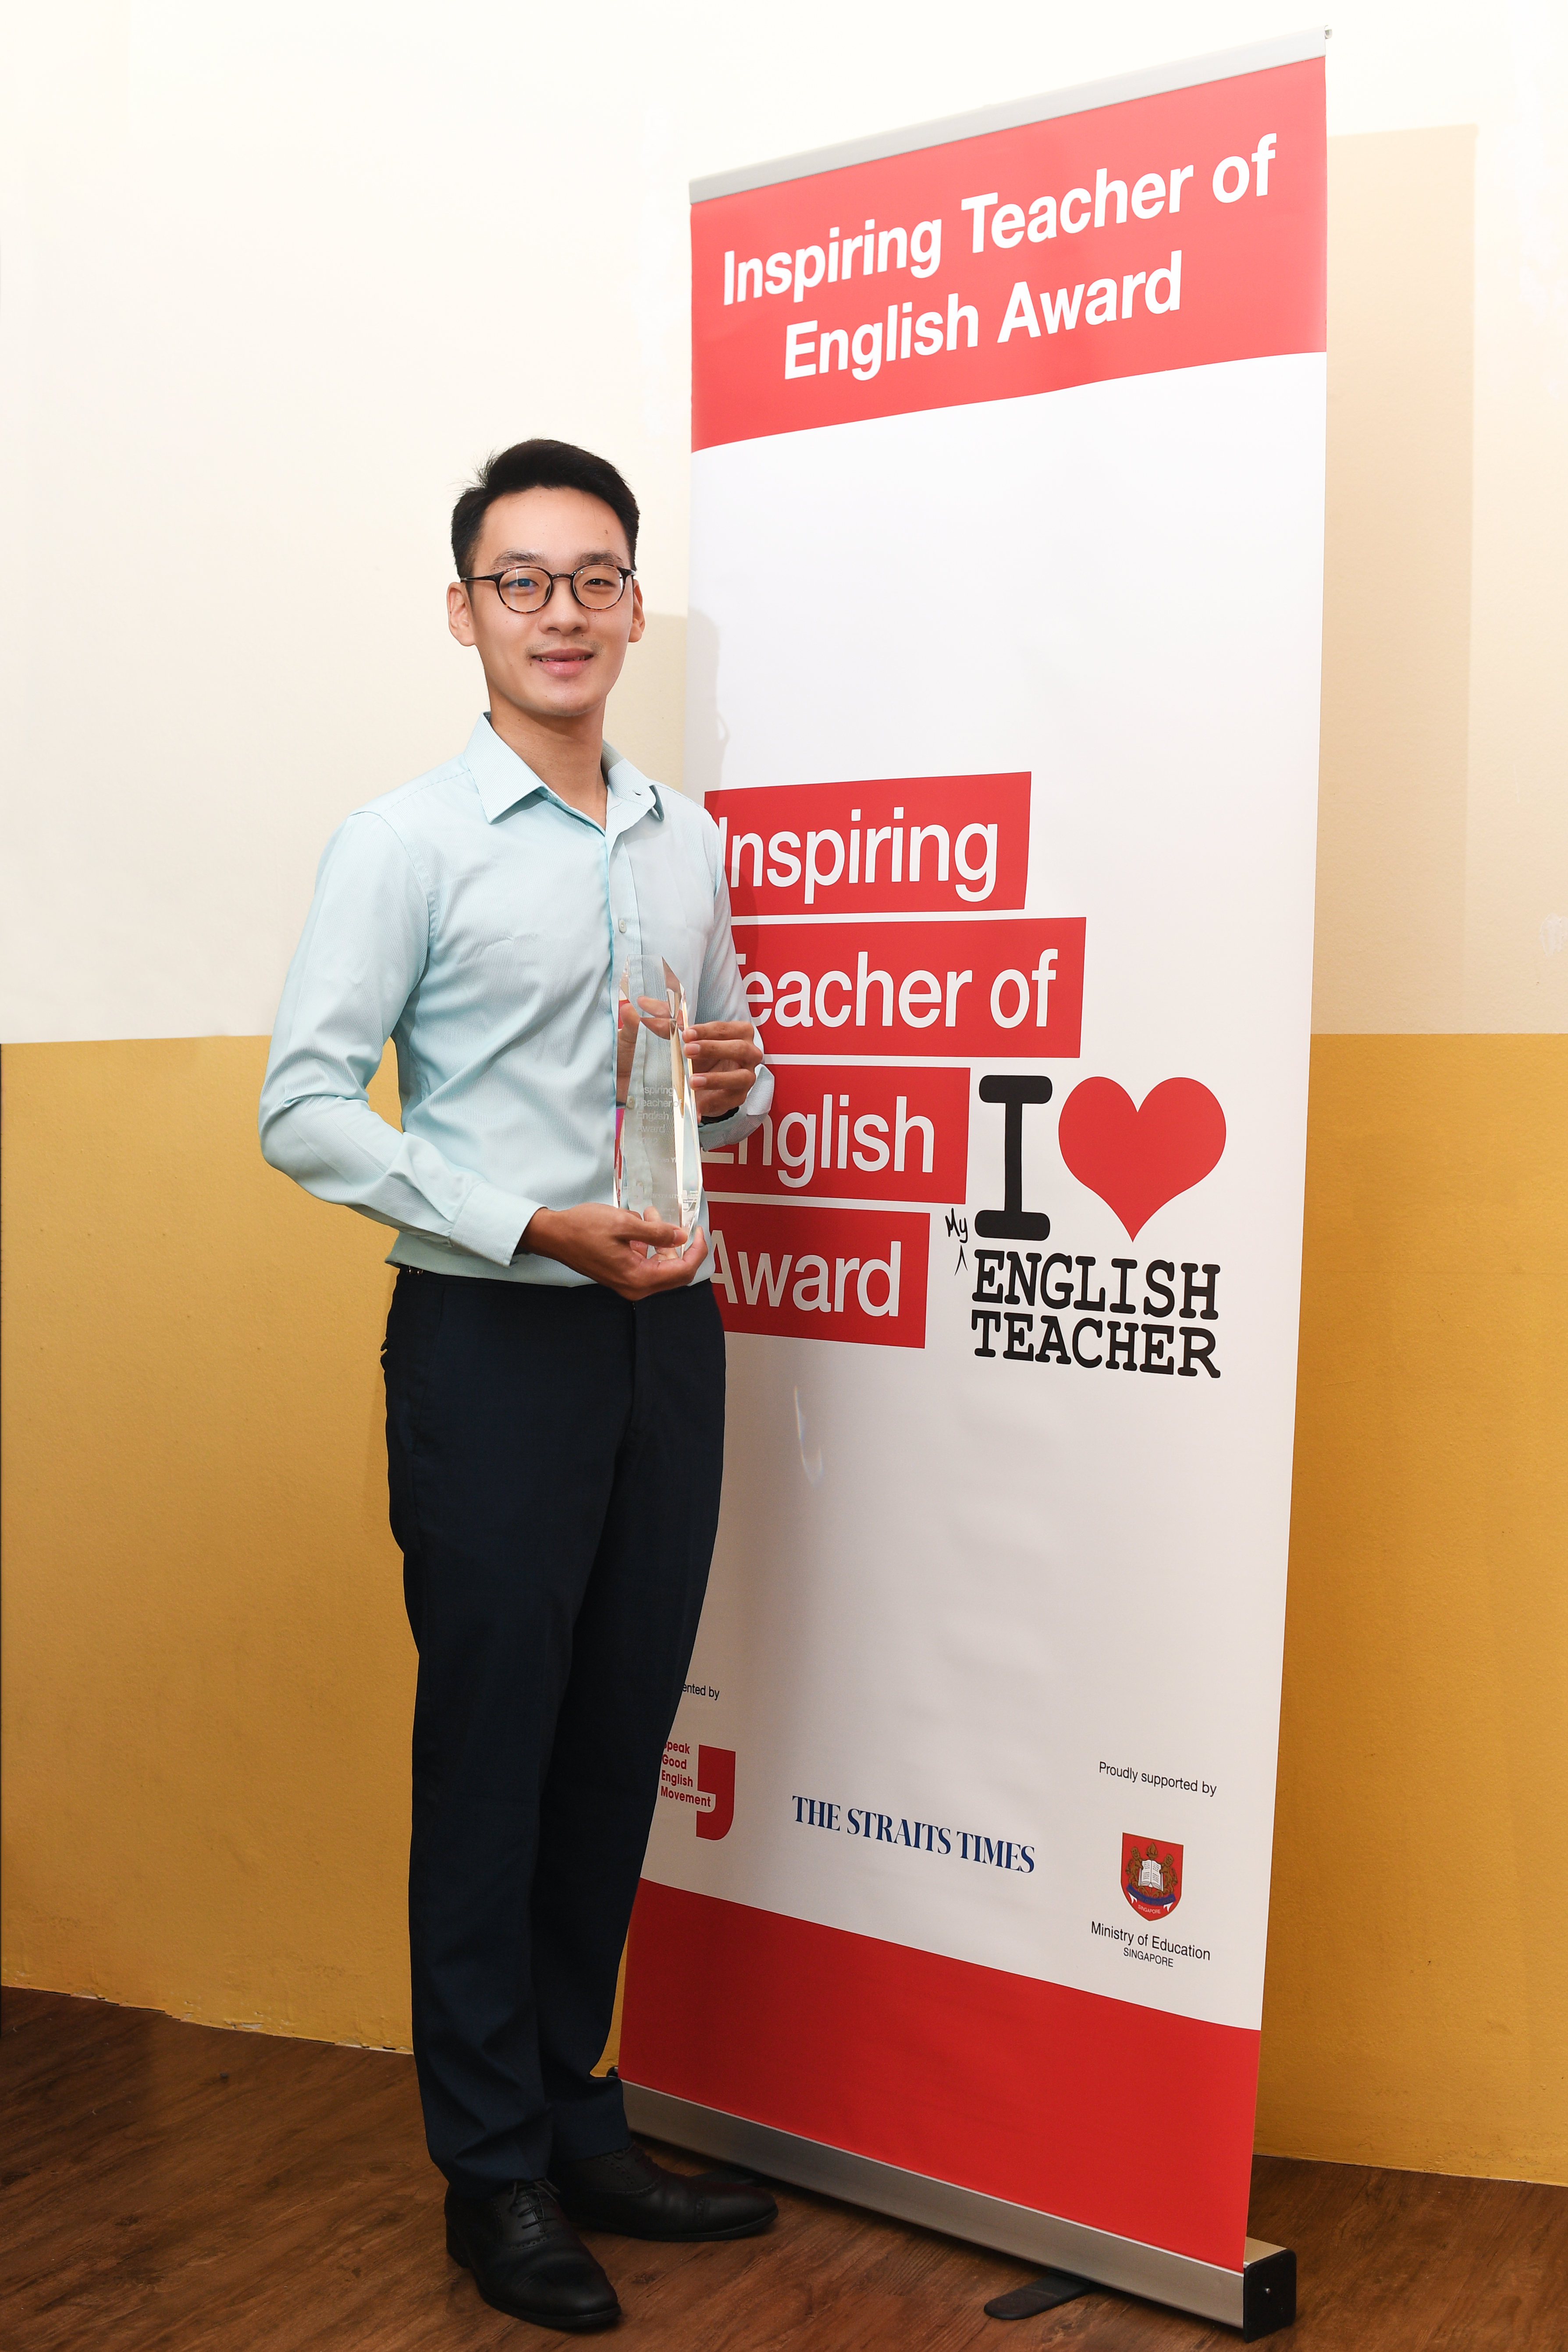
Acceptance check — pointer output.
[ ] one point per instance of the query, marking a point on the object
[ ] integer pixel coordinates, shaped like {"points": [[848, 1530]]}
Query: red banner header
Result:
{"points": [[1166, 232]]}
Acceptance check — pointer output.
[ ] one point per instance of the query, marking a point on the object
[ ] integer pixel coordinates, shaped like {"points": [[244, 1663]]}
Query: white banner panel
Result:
{"points": [[1006, 594]]}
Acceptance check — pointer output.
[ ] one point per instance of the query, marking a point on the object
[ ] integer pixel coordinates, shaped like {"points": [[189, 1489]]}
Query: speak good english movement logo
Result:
{"points": [[1150, 1876], [709, 1791]]}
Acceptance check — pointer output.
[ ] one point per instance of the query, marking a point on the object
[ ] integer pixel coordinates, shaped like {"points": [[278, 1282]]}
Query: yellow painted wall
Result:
{"points": [[208, 1678], [1415, 2011], [208, 1675]]}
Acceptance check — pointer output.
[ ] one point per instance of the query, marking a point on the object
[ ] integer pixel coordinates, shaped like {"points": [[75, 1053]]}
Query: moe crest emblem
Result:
{"points": [[1150, 1876]]}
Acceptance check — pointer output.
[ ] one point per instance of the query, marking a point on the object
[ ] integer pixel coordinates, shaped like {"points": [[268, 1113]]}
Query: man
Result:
{"points": [[555, 1390]]}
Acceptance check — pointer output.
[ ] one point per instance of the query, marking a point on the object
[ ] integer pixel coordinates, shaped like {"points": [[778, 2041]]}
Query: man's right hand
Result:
{"points": [[611, 1246]]}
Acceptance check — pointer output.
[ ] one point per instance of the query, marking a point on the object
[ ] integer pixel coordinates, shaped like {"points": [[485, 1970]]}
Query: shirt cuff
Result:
{"points": [[744, 1120], [491, 1223]]}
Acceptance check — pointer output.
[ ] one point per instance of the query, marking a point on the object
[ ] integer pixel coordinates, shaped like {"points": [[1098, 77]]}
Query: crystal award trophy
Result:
{"points": [[658, 1164]]}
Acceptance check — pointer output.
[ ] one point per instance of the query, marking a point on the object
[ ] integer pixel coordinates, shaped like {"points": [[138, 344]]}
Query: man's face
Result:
{"points": [[560, 662]]}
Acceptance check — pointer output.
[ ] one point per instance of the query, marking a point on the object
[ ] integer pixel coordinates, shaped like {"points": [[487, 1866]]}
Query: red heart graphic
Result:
{"points": [[1136, 1160]]}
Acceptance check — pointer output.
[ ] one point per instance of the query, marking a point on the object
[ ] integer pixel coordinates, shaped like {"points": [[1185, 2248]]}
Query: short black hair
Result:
{"points": [[539, 465]]}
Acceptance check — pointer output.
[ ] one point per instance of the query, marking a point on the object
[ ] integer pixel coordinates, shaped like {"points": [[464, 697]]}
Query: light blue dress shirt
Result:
{"points": [[481, 924]]}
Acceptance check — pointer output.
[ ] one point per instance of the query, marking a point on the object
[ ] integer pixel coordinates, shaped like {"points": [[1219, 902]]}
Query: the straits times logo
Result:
{"points": [[935, 1838], [704, 1782]]}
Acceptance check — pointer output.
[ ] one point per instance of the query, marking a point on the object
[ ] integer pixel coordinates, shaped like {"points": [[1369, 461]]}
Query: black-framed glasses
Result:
{"points": [[527, 587]]}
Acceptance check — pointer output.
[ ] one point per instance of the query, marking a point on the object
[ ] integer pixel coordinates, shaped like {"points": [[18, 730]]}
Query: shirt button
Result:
{"points": [[621, 925]]}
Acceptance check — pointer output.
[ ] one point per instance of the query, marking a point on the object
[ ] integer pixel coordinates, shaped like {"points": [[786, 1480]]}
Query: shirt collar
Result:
{"points": [[632, 794], [503, 781]]}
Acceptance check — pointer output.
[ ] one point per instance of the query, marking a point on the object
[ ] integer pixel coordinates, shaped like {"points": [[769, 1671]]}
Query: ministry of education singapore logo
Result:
{"points": [[1150, 1876]]}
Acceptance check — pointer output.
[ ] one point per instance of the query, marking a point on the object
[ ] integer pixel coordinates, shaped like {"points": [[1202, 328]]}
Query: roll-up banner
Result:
{"points": [[1004, 645]]}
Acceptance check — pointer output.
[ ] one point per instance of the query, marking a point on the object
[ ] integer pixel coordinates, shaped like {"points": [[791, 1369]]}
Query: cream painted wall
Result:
{"points": [[270, 287], [1396, 601]]}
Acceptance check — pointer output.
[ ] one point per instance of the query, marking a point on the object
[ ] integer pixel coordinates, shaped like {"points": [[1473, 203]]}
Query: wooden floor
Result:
{"points": [[169, 2185]]}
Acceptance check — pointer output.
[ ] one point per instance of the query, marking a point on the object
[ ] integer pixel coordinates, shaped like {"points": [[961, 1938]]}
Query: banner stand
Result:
{"points": [[1260, 2298], [1006, 632]]}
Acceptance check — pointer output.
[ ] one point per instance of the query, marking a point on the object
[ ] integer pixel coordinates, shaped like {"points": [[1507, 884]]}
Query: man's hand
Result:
{"points": [[724, 1058], [611, 1246]]}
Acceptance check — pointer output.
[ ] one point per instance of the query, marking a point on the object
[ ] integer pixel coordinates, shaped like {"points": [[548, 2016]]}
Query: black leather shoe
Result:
{"points": [[629, 2193], [527, 2259]]}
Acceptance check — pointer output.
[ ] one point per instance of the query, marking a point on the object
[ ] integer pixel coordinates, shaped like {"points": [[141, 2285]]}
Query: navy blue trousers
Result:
{"points": [[553, 1459]]}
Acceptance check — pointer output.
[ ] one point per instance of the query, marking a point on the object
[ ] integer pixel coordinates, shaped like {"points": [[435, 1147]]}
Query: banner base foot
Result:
{"points": [[1267, 2294], [1043, 2294], [1259, 2298]]}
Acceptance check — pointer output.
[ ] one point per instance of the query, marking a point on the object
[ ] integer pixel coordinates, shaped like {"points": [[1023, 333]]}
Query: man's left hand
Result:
{"points": [[724, 1058]]}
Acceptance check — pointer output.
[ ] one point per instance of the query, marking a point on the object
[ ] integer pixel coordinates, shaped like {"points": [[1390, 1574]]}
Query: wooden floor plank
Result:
{"points": [[167, 2186]]}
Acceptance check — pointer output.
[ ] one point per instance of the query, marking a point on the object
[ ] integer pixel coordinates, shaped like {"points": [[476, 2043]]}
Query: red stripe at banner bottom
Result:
{"points": [[1124, 2118]]}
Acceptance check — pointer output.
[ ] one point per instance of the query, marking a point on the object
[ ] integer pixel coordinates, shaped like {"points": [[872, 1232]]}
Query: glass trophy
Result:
{"points": [[658, 1161]]}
